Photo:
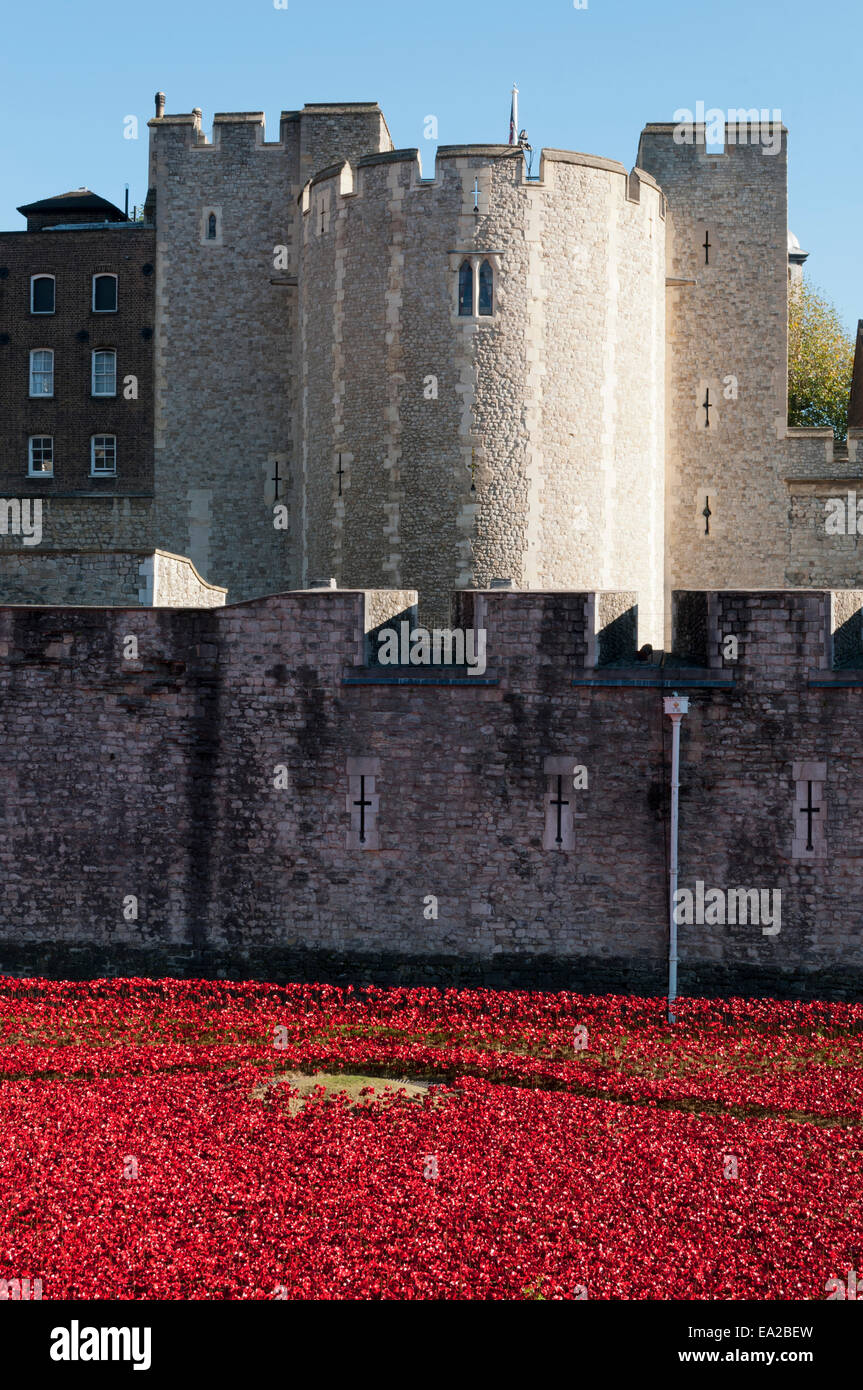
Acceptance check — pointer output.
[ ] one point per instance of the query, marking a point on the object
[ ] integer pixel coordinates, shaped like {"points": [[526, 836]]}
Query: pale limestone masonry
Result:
{"points": [[730, 323], [177, 584], [558, 395], [226, 361], [764, 484]]}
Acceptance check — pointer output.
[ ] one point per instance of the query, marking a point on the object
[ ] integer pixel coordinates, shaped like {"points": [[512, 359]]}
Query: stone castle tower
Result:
{"points": [[315, 329], [569, 381], [227, 364], [518, 436], [612, 415]]}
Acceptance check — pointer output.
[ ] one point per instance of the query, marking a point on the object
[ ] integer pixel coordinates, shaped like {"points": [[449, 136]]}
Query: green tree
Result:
{"points": [[820, 361]]}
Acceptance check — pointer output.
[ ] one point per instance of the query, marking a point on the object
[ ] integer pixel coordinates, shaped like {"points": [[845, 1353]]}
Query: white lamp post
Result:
{"points": [[675, 706]]}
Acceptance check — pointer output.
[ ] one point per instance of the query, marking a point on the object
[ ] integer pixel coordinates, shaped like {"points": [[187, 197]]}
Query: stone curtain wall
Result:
{"points": [[90, 552], [93, 524], [818, 472], [60, 577], [120, 578], [552, 408], [208, 780]]}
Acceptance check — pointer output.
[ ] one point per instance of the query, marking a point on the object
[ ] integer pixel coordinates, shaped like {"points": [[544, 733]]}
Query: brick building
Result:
{"points": [[77, 294], [77, 309]]}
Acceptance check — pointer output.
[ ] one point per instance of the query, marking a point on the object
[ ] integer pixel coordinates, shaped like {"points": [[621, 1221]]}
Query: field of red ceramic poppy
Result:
{"points": [[201, 1140]]}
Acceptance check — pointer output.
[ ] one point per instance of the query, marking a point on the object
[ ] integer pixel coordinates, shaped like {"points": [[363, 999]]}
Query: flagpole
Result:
{"points": [[513, 117]]}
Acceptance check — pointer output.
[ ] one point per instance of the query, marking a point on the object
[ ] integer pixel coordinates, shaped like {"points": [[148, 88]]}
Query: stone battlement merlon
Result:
{"points": [[533, 639], [483, 154], [240, 119], [814, 451], [332, 171], [249, 126], [741, 137]]}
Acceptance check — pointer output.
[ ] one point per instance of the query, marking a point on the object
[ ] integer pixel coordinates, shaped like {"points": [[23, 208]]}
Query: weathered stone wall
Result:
{"points": [[89, 551], [84, 524], [727, 334], [331, 131], [209, 781], [527, 444], [177, 584], [124, 578], [58, 577], [224, 345], [819, 475], [226, 341], [764, 484]]}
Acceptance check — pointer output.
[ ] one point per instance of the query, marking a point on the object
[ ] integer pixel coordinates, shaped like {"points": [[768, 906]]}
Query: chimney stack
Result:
{"points": [[160, 104]]}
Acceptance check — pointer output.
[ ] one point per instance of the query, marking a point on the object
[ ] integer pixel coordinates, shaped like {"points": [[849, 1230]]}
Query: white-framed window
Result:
{"points": [[42, 372], [103, 454], [104, 294], [40, 456], [104, 382], [42, 294], [475, 288]]}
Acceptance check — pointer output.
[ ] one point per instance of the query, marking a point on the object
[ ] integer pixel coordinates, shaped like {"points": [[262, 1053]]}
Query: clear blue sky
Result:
{"points": [[589, 80]]}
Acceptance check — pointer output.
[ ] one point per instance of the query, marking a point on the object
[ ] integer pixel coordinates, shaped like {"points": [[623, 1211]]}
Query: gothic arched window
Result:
{"points": [[486, 289], [211, 227], [465, 290]]}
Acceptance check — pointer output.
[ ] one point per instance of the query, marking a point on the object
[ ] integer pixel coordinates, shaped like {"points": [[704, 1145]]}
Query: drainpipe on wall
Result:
{"points": [[675, 706]]}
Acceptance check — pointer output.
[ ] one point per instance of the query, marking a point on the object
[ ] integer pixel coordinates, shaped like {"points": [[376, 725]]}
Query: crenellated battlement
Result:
{"points": [[230, 128], [573, 378], [249, 127], [814, 452], [691, 141], [472, 158], [456, 336], [532, 640], [278, 805]]}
